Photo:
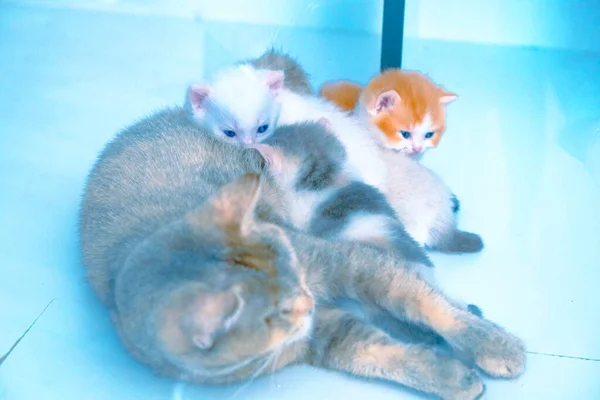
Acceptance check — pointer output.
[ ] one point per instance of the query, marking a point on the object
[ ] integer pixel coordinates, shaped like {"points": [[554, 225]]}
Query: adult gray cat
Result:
{"points": [[205, 282]]}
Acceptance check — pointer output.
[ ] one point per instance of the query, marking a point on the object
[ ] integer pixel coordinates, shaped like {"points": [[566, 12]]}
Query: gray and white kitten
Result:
{"points": [[204, 282], [310, 164]]}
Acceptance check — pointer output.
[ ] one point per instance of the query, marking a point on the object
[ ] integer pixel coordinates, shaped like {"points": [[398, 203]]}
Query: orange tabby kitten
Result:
{"points": [[406, 106]]}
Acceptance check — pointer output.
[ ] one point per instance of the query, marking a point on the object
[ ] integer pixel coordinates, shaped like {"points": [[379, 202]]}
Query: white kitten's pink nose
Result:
{"points": [[248, 140], [417, 149]]}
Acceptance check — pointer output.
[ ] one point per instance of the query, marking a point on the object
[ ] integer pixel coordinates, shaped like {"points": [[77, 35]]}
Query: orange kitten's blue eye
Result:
{"points": [[429, 135], [262, 128], [229, 133], [405, 134]]}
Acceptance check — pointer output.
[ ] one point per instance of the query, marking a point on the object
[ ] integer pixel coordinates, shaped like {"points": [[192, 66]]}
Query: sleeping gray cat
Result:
{"points": [[309, 164], [182, 241]]}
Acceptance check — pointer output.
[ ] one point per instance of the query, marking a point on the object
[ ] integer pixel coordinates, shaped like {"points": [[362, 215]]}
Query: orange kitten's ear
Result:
{"points": [[384, 101], [447, 97]]}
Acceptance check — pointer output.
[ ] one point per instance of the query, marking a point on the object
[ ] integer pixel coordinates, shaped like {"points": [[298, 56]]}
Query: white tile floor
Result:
{"points": [[520, 152]]}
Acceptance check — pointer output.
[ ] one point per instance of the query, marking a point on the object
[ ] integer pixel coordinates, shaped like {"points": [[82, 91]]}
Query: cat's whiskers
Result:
{"points": [[276, 355], [275, 35], [203, 372], [255, 375]]}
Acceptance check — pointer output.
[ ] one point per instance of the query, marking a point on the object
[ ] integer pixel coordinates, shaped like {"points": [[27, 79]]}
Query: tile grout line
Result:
{"points": [[563, 356], [5, 356]]}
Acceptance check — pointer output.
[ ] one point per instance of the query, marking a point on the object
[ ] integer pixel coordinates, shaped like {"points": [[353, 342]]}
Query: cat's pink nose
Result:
{"points": [[248, 140], [304, 305], [417, 149], [300, 307]]}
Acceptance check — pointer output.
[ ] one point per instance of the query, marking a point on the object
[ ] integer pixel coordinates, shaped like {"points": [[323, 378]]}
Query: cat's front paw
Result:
{"points": [[440, 374], [457, 381], [503, 356], [497, 352]]}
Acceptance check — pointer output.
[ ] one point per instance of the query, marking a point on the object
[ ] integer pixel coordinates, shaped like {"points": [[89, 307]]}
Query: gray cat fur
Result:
{"points": [[321, 153], [295, 78], [159, 170]]}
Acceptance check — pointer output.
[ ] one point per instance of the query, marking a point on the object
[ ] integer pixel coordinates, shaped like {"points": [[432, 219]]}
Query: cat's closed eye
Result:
{"points": [[405, 134], [429, 135], [229, 133], [262, 128]]}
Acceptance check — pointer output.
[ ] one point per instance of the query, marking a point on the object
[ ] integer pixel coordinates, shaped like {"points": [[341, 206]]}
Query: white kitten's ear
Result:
{"points": [[197, 97], [385, 101], [447, 97], [274, 79], [210, 314]]}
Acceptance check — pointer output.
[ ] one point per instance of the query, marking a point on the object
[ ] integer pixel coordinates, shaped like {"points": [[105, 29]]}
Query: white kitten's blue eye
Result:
{"points": [[229, 133], [429, 135], [262, 128], [405, 134]]}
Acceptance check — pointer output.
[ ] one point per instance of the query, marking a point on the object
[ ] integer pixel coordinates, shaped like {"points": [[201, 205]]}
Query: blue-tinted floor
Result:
{"points": [[520, 152]]}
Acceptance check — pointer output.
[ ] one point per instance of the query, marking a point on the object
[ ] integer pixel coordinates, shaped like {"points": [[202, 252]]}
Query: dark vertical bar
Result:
{"points": [[392, 33]]}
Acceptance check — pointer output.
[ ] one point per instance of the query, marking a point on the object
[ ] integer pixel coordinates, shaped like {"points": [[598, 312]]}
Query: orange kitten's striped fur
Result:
{"points": [[407, 106]]}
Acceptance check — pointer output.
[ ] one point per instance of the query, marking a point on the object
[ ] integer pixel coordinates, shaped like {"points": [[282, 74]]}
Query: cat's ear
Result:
{"points": [[273, 157], [385, 101], [447, 97], [197, 96], [209, 314], [274, 80], [232, 207], [325, 122]]}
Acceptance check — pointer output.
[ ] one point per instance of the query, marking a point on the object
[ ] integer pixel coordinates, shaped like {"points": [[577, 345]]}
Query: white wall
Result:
{"points": [[566, 24]]}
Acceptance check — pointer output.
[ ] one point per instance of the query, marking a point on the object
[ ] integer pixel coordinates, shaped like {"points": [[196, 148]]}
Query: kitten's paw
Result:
{"points": [[497, 352], [455, 204], [475, 310], [459, 242]]}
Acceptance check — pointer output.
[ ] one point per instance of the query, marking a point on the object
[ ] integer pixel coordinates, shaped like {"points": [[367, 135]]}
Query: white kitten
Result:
{"points": [[244, 105], [239, 108], [425, 205]]}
